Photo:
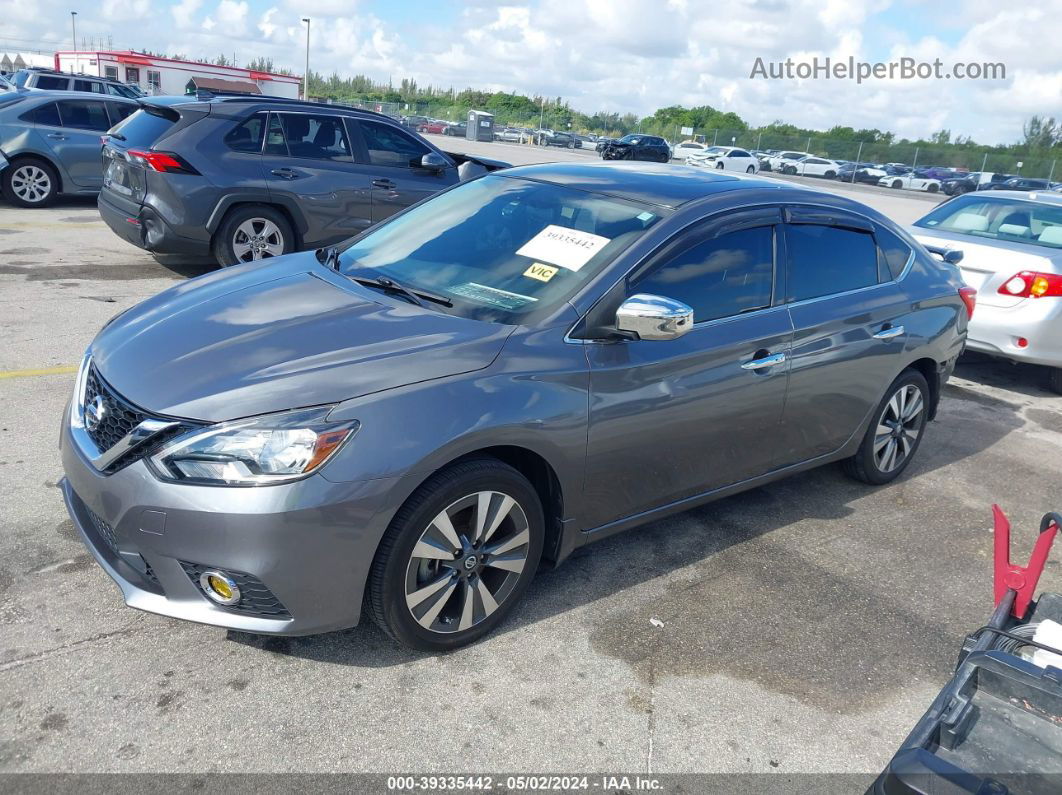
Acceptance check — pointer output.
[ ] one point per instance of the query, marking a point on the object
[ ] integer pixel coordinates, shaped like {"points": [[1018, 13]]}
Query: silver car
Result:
{"points": [[1012, 254], [50, 143]]}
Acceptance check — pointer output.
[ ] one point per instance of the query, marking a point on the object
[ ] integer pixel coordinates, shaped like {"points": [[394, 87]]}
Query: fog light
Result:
{"points": [[220, 587]]}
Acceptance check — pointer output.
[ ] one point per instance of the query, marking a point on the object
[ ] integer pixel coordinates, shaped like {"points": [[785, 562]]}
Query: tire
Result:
{"points": [[766, 167], [750, 170], [830, 174], [932, 188], [250, 233], [1054, 379], [30, 182], [897, 184], [876, 467], [719, 166], [470, 597]]}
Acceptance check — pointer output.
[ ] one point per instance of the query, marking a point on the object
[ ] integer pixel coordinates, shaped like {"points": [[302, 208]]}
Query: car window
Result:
{"points": [[315, 137], [247, 137], [1013, 220], [46, 114], [720, 277], [825, 260], [740, 153], [894, 251], [275, 143], [389, 146], [120, 111], [50, 83], [84, 115], [88, 85], [142, 127]]}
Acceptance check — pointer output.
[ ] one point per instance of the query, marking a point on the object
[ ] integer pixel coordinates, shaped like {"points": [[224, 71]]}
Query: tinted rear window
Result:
{"points": [[143, 128], [825, 260]]}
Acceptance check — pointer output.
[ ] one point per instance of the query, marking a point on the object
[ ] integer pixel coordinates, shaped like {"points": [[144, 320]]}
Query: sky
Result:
{"points": [[622, 55]]}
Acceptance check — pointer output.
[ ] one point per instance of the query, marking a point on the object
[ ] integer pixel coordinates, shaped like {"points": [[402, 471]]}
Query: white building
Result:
{"points": [[168, 76], [13, 61]]}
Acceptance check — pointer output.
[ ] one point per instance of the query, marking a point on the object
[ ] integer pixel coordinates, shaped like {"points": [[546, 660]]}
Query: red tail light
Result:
{"points": [[162, 162], [969, 297], [1030, 284]]}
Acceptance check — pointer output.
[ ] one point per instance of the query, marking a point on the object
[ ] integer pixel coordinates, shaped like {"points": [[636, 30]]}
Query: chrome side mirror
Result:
{"points": [[433, 161], [653, 317]]}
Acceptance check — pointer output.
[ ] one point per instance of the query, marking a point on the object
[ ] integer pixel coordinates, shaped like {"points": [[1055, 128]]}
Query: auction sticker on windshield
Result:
{"points": [[569, 248], [541, 272], [492, 295]]}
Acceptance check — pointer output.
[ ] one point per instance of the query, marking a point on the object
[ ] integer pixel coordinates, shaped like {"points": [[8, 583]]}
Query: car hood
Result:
{"points": [[256, 339]]}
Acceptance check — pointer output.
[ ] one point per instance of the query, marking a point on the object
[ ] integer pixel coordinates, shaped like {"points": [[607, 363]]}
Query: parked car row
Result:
{"points": [[237, 178], [41, 79]]}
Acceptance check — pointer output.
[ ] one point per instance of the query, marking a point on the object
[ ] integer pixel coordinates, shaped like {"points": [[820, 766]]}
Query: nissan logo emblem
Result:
{"points": [[95, 411]]}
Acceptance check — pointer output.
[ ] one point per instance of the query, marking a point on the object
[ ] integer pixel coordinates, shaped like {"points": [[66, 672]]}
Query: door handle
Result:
{"points": [[766, 361], [57, 136], [383, 183], [889, 333], [284, 173]]}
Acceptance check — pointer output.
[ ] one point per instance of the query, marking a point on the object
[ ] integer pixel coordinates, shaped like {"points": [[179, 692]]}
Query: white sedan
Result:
{"points": [[683, 150], [910, 182], [812, 167], [778, 161], [726, 158]]}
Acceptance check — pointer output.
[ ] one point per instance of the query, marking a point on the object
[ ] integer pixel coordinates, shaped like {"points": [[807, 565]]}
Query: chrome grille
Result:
{"points": [[119, 417]]}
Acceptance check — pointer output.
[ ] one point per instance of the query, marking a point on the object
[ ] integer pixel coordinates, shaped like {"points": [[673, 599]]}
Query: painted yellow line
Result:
{"points": [[62, 369]]}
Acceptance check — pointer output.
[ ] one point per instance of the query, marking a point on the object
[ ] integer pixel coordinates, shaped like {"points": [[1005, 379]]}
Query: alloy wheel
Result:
{"points": [[31, 184], [257, 238], [899, 427], [467, 562]]}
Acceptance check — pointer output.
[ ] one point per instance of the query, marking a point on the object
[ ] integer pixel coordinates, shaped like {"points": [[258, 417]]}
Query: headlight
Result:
{"points": [[260, 451]]}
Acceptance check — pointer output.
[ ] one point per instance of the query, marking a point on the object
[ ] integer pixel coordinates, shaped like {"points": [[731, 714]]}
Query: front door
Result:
{"points": [[391, 158], [308, 162], [673, 419]]}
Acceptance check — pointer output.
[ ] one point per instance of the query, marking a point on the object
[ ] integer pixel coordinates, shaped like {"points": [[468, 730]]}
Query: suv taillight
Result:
{"points": [[969, 298], [163, 162], [1030, 284]]}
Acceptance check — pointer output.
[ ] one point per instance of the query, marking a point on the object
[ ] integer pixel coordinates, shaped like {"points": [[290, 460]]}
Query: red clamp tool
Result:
{"points": [[1014, 585]]}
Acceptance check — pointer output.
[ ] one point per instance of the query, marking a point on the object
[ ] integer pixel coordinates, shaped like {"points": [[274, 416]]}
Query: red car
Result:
{"points": [[437, 127]]}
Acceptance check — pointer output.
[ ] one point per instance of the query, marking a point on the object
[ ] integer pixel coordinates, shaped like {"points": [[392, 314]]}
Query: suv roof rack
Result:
{"points": [[225, 96]]}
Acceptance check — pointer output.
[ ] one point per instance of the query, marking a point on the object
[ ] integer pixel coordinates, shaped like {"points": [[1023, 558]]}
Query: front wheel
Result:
{"points": [[897, 184], [933, 188], [750, 170], [457, 557], [830, 174], [720, 165], [894, 435]]}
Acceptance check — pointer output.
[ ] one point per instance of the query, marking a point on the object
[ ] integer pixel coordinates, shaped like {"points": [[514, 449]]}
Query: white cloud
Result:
{"points": [[184, 11]]}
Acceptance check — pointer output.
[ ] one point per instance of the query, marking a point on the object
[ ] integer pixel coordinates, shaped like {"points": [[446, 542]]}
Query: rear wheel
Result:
{"points": [[830, 174], [894, 435], [457, 556], [1054, 379], [251, 233], [30, 182]]}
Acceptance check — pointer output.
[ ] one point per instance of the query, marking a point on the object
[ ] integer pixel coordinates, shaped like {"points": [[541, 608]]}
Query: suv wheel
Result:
{"points": [[893, 437], [457, 556], [30, 182], [252, 233]]}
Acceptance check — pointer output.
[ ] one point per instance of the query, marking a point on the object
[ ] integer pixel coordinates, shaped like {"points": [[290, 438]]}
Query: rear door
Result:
{"points": [[390, 157], [75, 141], [848, 316], [309, 162]]}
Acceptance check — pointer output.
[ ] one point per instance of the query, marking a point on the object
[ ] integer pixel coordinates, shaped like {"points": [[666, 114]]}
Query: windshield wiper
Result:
{"points": [[415, 295]]}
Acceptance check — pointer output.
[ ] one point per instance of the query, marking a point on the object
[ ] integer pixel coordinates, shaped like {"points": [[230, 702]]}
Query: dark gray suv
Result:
{"points": [[248, 178], [529, 362]]}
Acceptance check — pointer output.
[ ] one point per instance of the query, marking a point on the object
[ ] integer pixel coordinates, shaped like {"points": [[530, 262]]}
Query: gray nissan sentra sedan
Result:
{"points": [[523, 364]]}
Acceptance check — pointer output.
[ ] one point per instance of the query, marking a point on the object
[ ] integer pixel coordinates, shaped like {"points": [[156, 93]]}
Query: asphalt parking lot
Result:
{"points": [[799, 628]]}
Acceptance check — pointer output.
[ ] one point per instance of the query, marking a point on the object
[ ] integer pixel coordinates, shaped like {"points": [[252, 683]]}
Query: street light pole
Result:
{"points": [[306, 75], [73, 27]]}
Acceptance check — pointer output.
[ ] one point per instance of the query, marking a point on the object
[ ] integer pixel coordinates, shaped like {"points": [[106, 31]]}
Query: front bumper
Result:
{"points": [[307, 544], [995, 330]]}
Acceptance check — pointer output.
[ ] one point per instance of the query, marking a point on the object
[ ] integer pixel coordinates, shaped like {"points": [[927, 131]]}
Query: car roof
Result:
{"points": [[37, 93], [263, 102], [659, 184]]}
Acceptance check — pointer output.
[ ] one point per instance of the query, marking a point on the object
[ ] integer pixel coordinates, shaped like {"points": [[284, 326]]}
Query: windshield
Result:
{"points": [[1015, 221], [500, 247], [630, 139]]}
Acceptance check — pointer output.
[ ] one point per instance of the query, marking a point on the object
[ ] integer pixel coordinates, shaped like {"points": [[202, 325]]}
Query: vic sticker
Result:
{"points": [[568, 248], [541, 272]]}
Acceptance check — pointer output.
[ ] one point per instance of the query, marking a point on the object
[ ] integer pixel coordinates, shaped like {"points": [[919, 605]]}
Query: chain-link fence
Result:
{"points": [[957, 156]]}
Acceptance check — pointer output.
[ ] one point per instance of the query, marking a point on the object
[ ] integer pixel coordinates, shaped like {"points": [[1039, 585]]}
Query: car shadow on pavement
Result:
{"points": [[814, 586], [1025, 379]]}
